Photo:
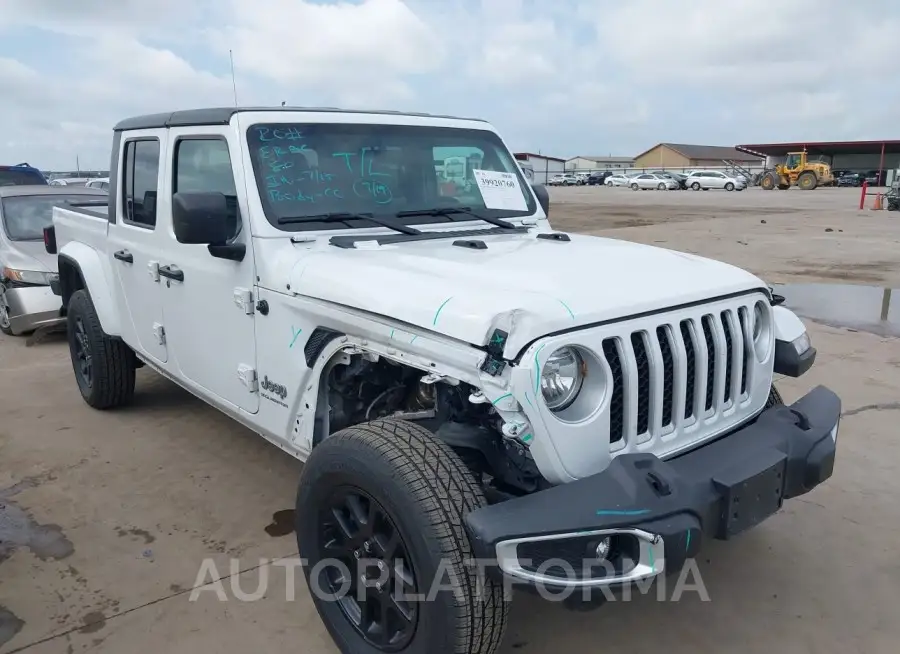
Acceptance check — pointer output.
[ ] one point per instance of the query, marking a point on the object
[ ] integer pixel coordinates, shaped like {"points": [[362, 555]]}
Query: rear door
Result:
{"points": [[135, 241]]}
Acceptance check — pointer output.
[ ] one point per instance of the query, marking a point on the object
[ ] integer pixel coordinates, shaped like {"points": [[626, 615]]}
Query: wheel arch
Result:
{"points": [[80, 267], [328, 348]]}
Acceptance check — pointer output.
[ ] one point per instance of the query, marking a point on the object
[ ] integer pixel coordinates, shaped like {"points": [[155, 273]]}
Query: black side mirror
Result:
{"points": [[200, 218], [543, 197]]}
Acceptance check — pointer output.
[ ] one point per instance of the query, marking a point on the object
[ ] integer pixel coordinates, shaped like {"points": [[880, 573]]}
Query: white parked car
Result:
{"points": [[581, 178], [583, 423], [101, 183], [707, 179], [563, 180], [648, 181], [619, 179]]}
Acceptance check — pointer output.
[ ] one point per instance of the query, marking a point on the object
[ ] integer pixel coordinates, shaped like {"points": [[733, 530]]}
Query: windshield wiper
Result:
{"points": [[447, 211], [344, 216]]}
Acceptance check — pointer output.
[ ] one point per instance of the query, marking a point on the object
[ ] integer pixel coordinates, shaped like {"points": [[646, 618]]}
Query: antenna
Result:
{"points": [[233, 82]]}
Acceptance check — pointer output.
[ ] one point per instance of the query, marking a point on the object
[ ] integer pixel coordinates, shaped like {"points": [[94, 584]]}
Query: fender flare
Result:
{"points": [[788, 327], [94, 278]]}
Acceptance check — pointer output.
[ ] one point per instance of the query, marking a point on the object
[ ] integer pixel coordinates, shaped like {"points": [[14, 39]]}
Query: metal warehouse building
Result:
{"points": [[544, 167], [682, 155], [849, 156]]}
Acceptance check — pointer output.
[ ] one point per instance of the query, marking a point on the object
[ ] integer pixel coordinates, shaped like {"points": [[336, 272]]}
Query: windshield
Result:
{"points": [[316, 169], [25, 216], [21, 177]]}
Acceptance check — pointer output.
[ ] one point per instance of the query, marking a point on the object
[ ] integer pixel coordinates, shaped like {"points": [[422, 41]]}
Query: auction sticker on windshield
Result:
{"points": [[500, 190]]}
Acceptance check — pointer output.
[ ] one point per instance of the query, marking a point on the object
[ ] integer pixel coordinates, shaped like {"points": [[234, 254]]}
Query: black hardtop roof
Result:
{"points": [[222, 116]]}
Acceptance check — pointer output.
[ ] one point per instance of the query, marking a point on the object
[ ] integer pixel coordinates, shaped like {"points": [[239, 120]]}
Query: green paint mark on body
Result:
{"points": [[571, 314], [439, 309], [501, 398], [537, 370], [296, 333]]}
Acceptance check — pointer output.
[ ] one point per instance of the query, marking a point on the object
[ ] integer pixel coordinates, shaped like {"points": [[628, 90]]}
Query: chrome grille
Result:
{"points": [[666, 378]]}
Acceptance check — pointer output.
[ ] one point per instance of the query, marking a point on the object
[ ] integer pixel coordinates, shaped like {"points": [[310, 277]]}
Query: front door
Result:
{"points": [[136, 240], [207, 301]]}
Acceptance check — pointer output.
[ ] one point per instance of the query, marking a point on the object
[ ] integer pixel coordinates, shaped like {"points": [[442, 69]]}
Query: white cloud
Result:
{"points": [[566, 77], [342, 47]]}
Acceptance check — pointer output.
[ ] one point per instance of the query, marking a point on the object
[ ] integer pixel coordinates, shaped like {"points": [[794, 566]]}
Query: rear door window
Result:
{"points": [[140, 181]]}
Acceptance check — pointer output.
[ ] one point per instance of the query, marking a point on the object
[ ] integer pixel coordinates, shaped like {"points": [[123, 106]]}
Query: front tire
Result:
{"points": [[104, 366], [634, 187], [768, 182], [775, 398], [808, 181], [661, 187], [390, 492], [695, 186], [729, 186], [5, 325]]}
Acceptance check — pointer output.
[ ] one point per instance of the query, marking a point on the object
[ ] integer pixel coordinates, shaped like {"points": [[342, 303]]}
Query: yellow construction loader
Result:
{"points": [[797, 171]]}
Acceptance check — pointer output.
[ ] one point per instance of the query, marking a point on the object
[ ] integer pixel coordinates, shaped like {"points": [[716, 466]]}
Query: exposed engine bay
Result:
{"points": [[364, 387]]}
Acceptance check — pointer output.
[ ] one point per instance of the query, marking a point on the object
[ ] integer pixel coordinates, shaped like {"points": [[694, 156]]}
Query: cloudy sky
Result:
{"points": [[563, 77]]}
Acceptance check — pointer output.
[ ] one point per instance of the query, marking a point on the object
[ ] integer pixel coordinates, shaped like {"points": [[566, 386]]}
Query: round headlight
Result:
{"points": [[761, 330], [758, 319], [561, 378]]}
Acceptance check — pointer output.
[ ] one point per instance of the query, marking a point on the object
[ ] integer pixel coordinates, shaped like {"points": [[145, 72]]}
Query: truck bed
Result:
{"points": [[87, 225]]}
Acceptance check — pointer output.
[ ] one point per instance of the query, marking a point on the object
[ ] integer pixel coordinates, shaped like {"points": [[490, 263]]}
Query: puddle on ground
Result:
{"points": [[19, 529], [866, 308], [282, 523], [10, 625]]}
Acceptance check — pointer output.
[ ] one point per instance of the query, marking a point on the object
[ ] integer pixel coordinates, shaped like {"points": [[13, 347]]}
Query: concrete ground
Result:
{"points": [[115, 512]]}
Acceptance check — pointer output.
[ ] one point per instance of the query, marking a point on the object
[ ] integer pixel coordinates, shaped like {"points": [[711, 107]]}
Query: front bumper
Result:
{"points": [[31, 307], [658, 512]]}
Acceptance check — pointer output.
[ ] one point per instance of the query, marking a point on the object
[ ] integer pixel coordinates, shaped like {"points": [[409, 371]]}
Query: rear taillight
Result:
{"points": [[50, 239]]}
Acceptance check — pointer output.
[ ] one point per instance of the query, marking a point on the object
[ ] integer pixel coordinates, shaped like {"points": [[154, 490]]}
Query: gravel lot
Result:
{"points": [[120, 509]]}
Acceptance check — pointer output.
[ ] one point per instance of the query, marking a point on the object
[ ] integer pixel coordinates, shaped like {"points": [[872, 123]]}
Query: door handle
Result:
{"points": [[124, 255], [172, 272]]}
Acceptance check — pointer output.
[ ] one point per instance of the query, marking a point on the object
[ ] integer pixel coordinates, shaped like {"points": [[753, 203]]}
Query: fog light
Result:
{"points": [[603, 549]]}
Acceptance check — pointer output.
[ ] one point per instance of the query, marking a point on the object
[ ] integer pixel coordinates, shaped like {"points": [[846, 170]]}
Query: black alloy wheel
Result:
{"points": [[81, 349], [369, 568]]}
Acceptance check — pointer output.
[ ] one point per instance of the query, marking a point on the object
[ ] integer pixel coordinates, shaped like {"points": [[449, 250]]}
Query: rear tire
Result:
{"points": [[421, 492], [104, 366]]}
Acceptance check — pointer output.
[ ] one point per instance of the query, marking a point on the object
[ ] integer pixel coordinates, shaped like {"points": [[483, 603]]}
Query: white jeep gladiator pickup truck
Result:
{"points": [[465, 383]]}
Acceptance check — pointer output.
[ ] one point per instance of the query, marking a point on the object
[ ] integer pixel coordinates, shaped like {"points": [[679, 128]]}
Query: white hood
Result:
{"points": [[527, 286]]}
